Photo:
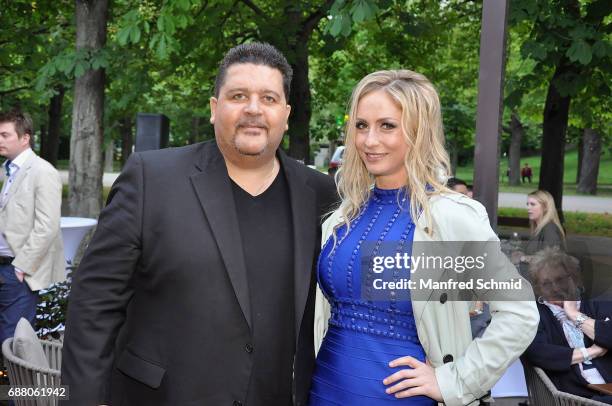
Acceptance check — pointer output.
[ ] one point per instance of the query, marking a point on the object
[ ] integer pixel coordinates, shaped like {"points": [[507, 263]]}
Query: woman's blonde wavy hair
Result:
{"points": [[426, 161], [549, 212]]}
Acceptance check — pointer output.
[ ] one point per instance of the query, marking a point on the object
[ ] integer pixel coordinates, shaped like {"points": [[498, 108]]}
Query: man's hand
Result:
{"points": [[19, 275], [419, 380]]}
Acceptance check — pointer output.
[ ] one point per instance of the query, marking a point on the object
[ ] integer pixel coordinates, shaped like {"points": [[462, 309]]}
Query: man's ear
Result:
{"points": [[288, 114], [213, 109], [27, 138]]}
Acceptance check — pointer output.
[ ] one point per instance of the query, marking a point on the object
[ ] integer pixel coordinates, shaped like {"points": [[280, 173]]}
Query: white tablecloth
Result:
{"points": [[73, 231]]}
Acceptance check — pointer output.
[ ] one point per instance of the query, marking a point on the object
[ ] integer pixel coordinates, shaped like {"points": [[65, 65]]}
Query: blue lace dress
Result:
{"points": [[365, 335]]}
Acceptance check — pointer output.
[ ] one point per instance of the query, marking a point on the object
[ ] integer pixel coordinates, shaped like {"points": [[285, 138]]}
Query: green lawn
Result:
{"points": [[569, 177], [595, 224]]}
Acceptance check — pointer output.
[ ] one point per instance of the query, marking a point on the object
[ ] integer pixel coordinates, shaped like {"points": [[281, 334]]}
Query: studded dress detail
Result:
{"points": [[364, 334]]}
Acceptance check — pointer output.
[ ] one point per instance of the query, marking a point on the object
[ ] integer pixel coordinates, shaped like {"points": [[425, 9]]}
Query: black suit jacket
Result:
{"points": [[551, 352], [159, 311]]}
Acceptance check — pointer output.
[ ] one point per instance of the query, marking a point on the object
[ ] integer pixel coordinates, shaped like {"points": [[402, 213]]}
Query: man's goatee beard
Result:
{"points": [[248, 153]]}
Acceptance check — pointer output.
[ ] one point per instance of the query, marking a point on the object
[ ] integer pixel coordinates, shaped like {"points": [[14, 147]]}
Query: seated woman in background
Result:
{"points": [[546, 230], [574, 335]]}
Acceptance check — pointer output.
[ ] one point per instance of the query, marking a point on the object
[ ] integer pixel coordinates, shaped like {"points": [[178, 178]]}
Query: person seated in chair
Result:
{"points": [[574, 335]]}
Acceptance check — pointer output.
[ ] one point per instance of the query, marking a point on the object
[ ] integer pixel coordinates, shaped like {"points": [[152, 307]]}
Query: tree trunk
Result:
{"points": [[556, 110], [109, 153], [50, 145], [127, 140], [194, 136], [516, 137], [299, 120], [580, 155], [87, 114], [295, 34], [589, 171]]}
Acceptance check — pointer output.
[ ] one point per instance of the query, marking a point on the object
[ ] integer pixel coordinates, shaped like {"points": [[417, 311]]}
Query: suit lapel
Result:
{"points": [[21, 174], [303, 214], [213, 189]]}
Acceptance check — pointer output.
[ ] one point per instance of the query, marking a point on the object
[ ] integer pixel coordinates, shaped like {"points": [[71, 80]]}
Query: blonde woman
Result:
{"points": [[403, 352], [546, 230]]}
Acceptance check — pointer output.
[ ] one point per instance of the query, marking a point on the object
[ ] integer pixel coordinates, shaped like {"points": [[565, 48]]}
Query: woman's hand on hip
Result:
{"points": [[419, 380]]}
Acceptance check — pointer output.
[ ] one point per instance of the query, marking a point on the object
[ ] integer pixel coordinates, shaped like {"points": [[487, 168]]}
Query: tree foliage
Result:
{"points": [[162, 56]]}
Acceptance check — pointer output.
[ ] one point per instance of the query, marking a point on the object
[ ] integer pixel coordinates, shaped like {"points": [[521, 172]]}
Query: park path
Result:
{"points": [[591, 204]]}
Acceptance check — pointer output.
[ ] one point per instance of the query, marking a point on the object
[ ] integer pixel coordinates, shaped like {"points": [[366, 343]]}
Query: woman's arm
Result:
{"points": [[322, 315], [547, 355], [602, 316], [593, 352], [514, 314], [322, 306], [603, 333], [551, 236], [599, 327]]}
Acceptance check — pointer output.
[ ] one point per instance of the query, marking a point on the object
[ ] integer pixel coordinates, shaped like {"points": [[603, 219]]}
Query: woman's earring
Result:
{"points": [[540, 300]]}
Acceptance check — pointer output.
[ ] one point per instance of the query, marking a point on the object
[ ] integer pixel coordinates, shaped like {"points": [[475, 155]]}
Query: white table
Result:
{"points": [[512, 383], [73, 231]]}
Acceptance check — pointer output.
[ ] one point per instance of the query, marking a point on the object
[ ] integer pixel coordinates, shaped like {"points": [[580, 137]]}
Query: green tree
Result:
{"points": [[34, 33], [437, 39], [569, 40], [189, 30]]}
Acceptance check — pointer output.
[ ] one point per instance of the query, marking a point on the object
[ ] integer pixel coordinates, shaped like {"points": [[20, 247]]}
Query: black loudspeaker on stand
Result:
{"points": [[152, 131]]}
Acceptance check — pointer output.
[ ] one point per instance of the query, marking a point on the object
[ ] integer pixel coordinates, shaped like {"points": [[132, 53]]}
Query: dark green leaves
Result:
{"points": [[580, 51], [71, 64], [344, 13], [130, 31], [602, 49], [534, 50]]}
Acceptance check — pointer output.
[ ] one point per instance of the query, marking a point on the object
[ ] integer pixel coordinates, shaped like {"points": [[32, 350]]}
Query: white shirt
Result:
{"points": [[18, 162]]}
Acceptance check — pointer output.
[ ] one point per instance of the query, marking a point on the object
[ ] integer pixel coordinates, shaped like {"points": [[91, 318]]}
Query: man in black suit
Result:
{"points": [[198, 285]]}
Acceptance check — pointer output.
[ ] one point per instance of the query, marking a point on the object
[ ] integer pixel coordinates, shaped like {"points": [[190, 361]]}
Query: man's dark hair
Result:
{"points": [[258, 53], [452, 182], [23, 122]]}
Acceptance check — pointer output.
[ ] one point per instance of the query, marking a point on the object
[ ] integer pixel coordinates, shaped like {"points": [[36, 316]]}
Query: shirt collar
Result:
{"points": [[22, 158]]}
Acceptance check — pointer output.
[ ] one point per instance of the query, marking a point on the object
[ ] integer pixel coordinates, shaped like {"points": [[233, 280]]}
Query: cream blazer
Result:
{"points": [[30, 223], [444, 328]]}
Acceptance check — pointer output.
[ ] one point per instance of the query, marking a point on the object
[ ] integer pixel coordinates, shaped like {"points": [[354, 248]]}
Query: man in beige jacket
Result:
{"points": [[31, 249]]}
